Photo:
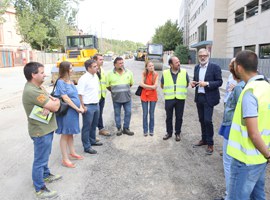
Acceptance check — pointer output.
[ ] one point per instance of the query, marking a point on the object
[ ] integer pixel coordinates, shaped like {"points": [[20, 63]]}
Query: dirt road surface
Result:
{"points": [[126, 167]]}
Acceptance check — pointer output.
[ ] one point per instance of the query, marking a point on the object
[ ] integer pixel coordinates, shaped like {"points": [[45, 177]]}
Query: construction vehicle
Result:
{"points": [[141, 54], [155, 55], [79, 49]]}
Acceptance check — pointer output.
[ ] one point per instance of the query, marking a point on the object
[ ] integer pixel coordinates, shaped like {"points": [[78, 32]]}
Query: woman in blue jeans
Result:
{"points": [[224, 130], [149, 97]]}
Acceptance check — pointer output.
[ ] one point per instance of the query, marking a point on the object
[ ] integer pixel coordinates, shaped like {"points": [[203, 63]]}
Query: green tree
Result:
{"points": [[181, 52], [169, 35], [3, 7], [46, 18]]}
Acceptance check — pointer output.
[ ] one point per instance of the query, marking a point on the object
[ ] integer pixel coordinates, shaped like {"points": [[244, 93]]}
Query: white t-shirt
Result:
{"points": [[88, 87]]}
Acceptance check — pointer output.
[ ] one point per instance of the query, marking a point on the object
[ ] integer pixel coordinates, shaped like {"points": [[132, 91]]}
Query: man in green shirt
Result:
{"points": [[41, 133], [119, 82]]}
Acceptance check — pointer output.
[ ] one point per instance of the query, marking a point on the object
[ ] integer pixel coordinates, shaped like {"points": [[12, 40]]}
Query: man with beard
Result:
{"points": [[207, 79], [174, 83], [119, 81]]}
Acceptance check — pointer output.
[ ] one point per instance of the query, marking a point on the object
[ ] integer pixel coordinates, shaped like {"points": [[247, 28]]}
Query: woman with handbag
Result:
{"points": [[68, 124], [149, 97]]}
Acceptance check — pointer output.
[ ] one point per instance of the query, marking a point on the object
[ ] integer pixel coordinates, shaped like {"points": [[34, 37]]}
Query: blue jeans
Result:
{"points": [[42, 151], [226, 165], [90, 122], [246, 181], [117, 114], [145, 115], [100, 120]]}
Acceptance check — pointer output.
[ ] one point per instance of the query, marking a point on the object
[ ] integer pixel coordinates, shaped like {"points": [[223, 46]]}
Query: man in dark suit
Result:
{"points": [[207, 80]]}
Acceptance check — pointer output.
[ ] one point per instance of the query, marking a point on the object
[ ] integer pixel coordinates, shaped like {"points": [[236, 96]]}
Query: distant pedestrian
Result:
{"points": [[207, 79], [174, 82], [102, 95], [149, 97], [88, 89], [41, 133], [68, 124], [249, 139], [119, 81], [224, 130]]}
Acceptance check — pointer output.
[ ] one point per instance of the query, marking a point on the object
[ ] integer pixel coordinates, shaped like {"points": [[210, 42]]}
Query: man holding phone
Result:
{"points": [[207, 79]]}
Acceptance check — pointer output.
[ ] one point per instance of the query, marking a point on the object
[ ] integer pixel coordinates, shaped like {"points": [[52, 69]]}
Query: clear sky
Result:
{"points": [[134, 20]]}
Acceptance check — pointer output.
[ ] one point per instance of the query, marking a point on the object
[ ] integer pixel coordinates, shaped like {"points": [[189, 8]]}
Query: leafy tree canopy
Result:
{"points": [[3, 7], [169, 35], [41, 23]]}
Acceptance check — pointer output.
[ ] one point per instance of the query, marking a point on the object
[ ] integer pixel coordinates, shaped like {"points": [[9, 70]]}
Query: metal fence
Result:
{"points": [[6, 58], [45, 58], [263, 66]]}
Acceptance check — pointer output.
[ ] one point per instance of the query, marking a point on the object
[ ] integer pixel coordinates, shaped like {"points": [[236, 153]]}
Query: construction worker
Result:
{"points": [[119, 81], [249, 139], [102, 95], [174, 83]]}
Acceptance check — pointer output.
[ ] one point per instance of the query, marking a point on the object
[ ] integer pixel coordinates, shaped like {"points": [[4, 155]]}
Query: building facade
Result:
{"points": [[9, 38], [225, 27]]}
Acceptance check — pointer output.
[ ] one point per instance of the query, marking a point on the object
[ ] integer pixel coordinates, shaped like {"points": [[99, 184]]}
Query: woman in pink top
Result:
{"points": [[149, 97]]}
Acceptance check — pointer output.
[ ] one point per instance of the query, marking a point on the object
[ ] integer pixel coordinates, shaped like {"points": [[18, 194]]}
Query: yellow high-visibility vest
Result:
{"points": [[180, 87], [102, 85], [240, 145]]}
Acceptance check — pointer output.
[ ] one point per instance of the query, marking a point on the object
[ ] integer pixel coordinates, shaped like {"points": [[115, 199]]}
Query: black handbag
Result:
{"points": [[63, 105], [139, 91]]}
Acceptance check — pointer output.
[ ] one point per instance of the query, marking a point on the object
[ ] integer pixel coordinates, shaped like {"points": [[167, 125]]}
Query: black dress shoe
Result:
{"points": [[167, 136], [200, 143], [97, 144], [219, 198], [91, 151], [177, 138]]}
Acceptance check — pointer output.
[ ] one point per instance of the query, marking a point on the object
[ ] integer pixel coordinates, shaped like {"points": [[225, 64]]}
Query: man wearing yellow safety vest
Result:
{"points": [[102, 95], [119, 81], [249, 140], [174, 82]]}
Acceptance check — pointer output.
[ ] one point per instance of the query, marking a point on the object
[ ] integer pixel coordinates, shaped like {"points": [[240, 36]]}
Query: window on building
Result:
{"points": [[239, 15], [9, 34], [1, 33], [251, 48], [222, 20], [265, 5], [264, 51], [236, 50], [202, 30], [252, 8]]}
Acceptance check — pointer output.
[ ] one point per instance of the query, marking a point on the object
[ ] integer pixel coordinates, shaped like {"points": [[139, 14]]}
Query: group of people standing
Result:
{"points": [[245, 127], [88, 99]]}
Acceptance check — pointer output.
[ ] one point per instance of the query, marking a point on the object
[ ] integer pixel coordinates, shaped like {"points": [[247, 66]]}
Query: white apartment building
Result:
{"points": [[225, 27]]}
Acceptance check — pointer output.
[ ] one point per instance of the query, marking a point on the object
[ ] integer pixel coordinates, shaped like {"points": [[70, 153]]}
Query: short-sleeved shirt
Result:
{"points": [[88, 87], [120, 85], [34, 95], [249, 101]]}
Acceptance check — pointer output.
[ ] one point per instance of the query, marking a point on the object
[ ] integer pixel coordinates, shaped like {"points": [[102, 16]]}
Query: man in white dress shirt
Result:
{"points": [[88, 89]]}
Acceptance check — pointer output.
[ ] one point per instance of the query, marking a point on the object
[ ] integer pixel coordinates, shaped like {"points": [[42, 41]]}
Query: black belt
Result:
{"points": [[201, 93], [91, 104]]}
